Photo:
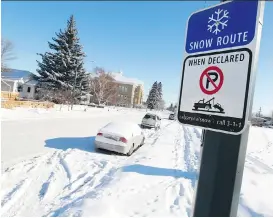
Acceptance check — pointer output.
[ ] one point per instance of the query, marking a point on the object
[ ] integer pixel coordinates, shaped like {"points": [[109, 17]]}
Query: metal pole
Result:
{"points": [[221, 169], [221, 173]]}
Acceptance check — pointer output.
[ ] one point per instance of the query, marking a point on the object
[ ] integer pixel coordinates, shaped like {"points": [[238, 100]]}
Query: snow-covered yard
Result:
{"points": [[50, 168]]}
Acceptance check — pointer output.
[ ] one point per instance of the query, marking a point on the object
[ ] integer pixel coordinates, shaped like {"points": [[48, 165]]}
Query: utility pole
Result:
{"points": [[222, 166], [260, 112]]}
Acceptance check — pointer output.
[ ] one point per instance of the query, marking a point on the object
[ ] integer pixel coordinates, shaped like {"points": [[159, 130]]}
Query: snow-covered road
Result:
{"points": [[34, 135], [66, 177]]}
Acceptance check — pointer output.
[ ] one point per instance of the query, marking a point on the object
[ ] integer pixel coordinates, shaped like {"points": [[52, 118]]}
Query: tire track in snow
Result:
{"points": [[77, 189], [45, 186], [39, 185], [64, 165], [12, 193], [89, 180], [197, 133], [8, 203], [186, 160], [177, 151], [260, 164], [191, 155], [94, 192], [177, 199]]}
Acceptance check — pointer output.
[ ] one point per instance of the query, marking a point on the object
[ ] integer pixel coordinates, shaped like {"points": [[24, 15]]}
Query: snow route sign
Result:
{"points": [[217, 68], [227, 25]]}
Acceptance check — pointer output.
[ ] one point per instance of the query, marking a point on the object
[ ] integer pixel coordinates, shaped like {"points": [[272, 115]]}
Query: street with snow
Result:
{"points": [[50, 167]]}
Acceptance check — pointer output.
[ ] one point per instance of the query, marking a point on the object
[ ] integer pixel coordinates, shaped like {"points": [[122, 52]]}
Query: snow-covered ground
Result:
{"points": [[27, 132], [50, 168]]}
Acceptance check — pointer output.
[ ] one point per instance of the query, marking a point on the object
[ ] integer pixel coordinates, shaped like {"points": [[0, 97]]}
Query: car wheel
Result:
{"points": [[131, 151]]}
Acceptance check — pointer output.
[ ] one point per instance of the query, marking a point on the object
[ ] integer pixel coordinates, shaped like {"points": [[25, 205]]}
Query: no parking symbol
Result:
{"points": [[211, 80]]}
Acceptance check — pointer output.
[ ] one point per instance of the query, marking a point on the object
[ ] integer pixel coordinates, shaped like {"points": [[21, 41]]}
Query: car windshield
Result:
{"points": [[149, 116]]}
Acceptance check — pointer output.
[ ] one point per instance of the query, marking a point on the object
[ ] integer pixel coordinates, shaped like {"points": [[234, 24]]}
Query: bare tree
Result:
{"points": [[102, 87], [110, 93], [6, 53]]}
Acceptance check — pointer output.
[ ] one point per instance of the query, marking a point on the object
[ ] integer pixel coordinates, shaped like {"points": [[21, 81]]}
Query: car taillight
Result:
{"points": [[99, 134], [122, 139]]}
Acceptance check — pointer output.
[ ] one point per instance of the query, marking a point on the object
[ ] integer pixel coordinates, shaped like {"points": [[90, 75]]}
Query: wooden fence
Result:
{"points": [[9, 95], [9, 101]]}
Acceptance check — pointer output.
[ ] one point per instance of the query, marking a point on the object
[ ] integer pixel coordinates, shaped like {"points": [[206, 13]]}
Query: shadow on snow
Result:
{"points": [[64, 143], [82, 143], [157, 171]]}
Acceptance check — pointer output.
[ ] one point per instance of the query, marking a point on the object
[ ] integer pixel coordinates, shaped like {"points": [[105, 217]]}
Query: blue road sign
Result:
{"points": [[227, 25]]}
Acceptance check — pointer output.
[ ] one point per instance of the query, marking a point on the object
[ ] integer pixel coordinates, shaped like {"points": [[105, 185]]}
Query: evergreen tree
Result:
{"points": [[159, 88], [175, 108], [159, 96], [171, 108], [62, 69], [152, 98]]}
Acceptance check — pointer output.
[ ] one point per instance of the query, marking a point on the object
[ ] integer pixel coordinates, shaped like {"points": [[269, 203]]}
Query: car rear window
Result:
{"points": [[148, 116]]}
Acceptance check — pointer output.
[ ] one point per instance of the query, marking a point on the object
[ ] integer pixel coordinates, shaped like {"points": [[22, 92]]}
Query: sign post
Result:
{"points": [[216, 94]]}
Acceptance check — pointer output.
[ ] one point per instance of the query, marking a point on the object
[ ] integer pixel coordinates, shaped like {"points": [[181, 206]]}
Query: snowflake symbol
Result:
{"points": [[220, 22]]}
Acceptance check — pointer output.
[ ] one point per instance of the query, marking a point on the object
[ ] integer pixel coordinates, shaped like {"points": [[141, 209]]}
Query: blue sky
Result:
{"points": [[143, 39]]}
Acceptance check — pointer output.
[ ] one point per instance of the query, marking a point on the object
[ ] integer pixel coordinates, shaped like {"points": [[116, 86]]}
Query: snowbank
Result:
{"points": [[58, 112], [256, 193]]}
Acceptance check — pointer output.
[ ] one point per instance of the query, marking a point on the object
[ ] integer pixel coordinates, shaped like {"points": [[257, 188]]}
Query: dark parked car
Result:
{"points": [[171, 117]]}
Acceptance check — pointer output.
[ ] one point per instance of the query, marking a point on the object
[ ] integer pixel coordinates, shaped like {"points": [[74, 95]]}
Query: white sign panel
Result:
{"points": [[212, 86]]}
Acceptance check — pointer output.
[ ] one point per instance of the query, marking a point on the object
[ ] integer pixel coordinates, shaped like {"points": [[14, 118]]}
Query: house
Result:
{"points": [[19, 81]]}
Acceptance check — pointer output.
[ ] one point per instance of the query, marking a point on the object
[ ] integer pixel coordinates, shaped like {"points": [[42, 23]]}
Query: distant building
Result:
{"points": [[19, 81], [129, 92]]}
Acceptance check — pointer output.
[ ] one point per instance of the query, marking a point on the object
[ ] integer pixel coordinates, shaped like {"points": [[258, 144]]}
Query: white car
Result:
{"points": [[151, 121], [120, 137]]}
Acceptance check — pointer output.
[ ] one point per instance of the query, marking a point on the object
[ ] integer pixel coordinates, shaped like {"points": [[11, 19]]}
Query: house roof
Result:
{"points": [[126, 80], [31, 82], [118, 77], [16, 74]]}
